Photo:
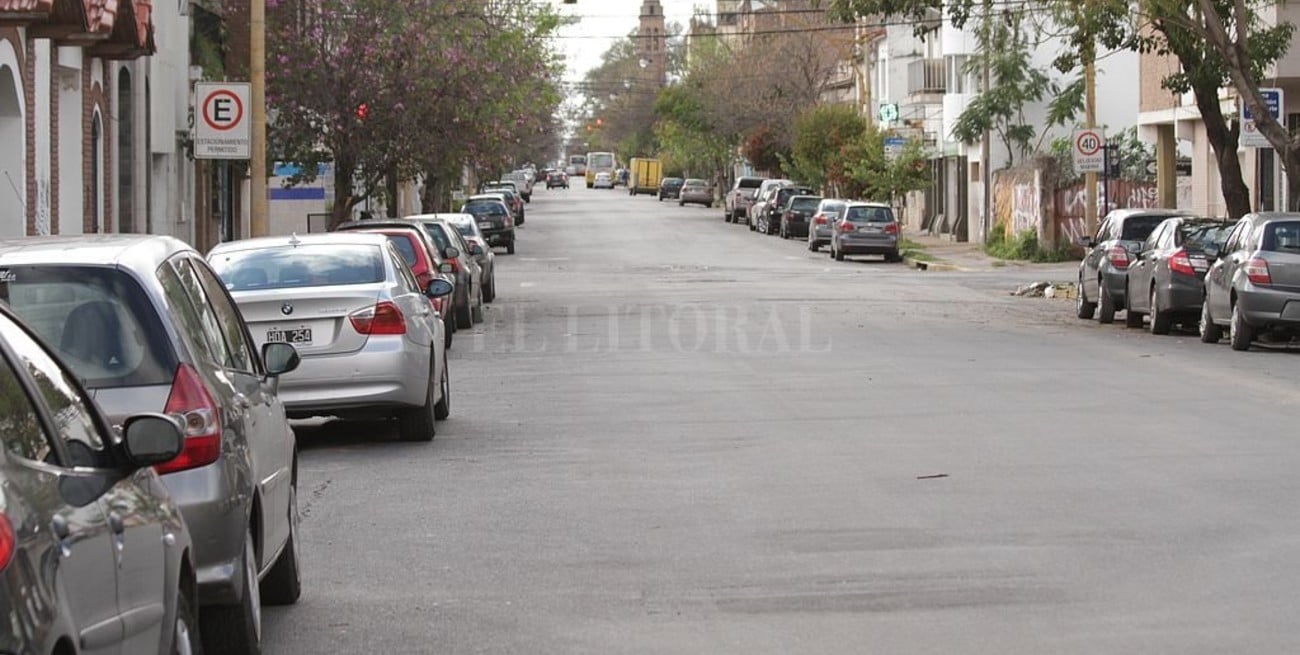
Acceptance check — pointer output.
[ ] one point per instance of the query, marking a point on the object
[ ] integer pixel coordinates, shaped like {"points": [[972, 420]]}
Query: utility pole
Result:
{"points": [[986, 149], [257, 220], [1090, 120]]}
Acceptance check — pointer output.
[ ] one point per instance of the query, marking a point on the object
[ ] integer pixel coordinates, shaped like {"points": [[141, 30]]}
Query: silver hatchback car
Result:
{"points": [[371, 343], [866, 228], [148, 327]]}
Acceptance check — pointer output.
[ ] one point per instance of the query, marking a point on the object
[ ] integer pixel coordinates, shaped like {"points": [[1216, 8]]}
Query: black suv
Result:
{"points": [[671, 188]]}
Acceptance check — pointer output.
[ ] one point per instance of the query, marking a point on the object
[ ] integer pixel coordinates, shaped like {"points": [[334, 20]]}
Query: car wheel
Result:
{"points": [[443, 409], [1210, 331], [753, 225], [448, 331], [492, 288], [839, 255], [727, 217], [812, 246], [476, 312], [1242, 334], [1107, 307], [283, 585], [893, 257], [185, 635], [681, 203], [1160, 321], [510, 248], [237, 629], [416, 423], [785, 231], [464, 314], [1082, 308]]}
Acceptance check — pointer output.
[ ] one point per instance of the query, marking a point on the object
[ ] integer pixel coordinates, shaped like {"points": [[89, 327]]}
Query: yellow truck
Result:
{"points": [[644, 176]]}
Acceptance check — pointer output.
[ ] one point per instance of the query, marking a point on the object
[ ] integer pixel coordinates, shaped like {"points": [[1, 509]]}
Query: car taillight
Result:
{"points": [[1118, 256], [383, 318], [891, 228], [1257, 271], [847, 227], [820, 220], [191, 403], [1181, 263], [7, 541]]}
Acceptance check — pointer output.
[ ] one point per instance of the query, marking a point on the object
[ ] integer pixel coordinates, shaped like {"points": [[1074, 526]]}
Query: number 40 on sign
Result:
{"points": [[1089, 150]]}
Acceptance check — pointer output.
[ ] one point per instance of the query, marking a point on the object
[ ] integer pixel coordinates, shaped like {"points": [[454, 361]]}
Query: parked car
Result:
{"points": [[738, 200], [762, 199], [696, 191], [372, 346], [89, 537], [1104, 270], [523, 183], [479, 249], [494, 219], [510, 196], [147, 326], [603, 181], [796, 215], [425, 258], [670, 188], [464, 268], [1253, 288], [867, 228], [1166, 281], [557, 180], [769, 218], [823, 222]]}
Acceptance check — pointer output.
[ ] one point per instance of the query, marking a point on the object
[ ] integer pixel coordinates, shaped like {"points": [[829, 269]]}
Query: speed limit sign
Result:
{"points": [[1089, 150]]}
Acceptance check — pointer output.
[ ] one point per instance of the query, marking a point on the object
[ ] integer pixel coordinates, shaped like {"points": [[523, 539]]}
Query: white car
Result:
{"points": [[603, 181], [371, 343]]}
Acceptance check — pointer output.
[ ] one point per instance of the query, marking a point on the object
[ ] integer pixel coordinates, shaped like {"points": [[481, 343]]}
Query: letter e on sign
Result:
{"points": [[223, 130]]}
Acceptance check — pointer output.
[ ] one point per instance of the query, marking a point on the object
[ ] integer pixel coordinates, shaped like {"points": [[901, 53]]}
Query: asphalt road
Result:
{"points": [[677, 436]]}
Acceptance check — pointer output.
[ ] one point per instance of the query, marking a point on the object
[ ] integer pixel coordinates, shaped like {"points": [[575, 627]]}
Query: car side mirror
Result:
{"points": [[476, 250], [279, 358], [438, 288], [1087, 242], [451, 252], [149, 439], [446, 267]]}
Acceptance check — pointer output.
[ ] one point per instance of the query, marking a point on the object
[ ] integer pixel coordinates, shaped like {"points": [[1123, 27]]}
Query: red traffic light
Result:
{"points": [[363, 111]]}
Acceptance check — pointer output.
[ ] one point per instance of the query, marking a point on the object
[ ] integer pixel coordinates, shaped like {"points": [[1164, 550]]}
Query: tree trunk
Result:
{"points": [[390, 189], [343, 199], [1292, 165], [1223, 140]]}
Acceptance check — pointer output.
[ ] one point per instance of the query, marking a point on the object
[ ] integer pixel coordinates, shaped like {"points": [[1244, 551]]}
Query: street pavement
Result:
{"points": [[673, 435]]}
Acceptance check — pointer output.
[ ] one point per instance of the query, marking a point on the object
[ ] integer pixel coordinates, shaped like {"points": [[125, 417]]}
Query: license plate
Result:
{"points": [[484, 225], [869, 229], [298, 335], [1199, 263]]}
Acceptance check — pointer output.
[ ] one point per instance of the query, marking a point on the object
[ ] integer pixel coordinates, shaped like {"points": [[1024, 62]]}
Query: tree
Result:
{"points": [[872, 175], [820, 136]]}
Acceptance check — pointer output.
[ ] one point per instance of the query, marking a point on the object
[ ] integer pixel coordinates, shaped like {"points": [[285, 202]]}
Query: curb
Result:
{"points": [[937, 266]]}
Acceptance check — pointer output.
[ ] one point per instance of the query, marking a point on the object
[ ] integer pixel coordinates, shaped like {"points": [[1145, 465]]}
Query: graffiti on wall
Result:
{"points": [[1017, 199], [1071, 205]]}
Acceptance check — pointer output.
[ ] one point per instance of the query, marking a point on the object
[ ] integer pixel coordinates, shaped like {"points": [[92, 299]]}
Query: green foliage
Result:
{"points": [[820, 136], [870, 175], [1133, 156], [1023, 247], [763, 148]]}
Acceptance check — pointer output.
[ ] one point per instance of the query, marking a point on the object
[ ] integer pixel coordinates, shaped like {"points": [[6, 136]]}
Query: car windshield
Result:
{"points": [[484, 208], [404, 244], [695, 183], [99, 320], [1282, 236], [869, 215], [1138, 228], [300, 266], [1199, 236], [804, 204], [669, 181]]}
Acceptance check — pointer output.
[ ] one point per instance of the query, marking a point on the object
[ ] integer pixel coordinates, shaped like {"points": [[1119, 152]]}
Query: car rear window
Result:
{"points": [[1199, 236], [300, 266], [440, 239], [749, 183], [805, 204], [694, 182], [869, 215], [832, 207], [1282, 236], [99, 321], [405, 246], [1138, 228], [465, 228], [484, 208]]}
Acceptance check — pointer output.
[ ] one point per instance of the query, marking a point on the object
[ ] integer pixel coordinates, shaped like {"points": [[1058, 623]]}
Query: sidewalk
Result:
{"points": [[952, 255]]}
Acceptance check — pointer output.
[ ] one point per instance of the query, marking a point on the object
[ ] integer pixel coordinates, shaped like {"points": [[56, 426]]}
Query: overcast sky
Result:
{"points": [[605, 21]]}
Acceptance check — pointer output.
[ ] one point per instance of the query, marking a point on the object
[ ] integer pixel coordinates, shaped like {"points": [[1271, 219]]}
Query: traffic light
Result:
{"points": [[363, 111]]}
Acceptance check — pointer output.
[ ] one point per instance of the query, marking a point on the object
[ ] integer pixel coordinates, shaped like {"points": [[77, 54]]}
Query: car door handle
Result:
{"points": [[241, 401]]}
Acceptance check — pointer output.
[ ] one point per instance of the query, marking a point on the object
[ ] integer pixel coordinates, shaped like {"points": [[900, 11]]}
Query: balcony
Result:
{"points": [[926, 77]]}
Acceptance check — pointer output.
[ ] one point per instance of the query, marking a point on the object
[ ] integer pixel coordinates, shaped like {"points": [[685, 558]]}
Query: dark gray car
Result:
{"points": [[822, 226], [797, 215], [93, 552], [1254, 287], [867, 228], [1103, 273], [1166, 282], [148, 327]]}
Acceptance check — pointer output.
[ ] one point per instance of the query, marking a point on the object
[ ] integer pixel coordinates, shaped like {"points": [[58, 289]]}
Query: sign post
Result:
{"points": [[222, 129], [1250, 135], [894, 147], [1089, 151]]}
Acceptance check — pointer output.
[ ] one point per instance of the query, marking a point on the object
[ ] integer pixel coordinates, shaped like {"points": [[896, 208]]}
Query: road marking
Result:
{"points": [[544, 259], [527, 284]]}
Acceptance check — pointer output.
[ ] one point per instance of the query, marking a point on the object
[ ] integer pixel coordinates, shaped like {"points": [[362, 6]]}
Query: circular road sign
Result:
{"points": [[1088, 143], [222, 110]]}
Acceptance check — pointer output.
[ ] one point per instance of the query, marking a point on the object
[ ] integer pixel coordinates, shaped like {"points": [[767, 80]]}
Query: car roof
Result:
{"points": [[447, 216], [346, 237], [128, 250], [487, 196], [1268, 217], [865, 203], [1122, 214], [376, 223]]}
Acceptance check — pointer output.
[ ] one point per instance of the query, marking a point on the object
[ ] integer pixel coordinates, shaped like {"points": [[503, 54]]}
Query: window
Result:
{"points": [[209, 324], [98, 319], [70, 411], [404, 274], [20, 426], [1283, 236], [863, 214], [300, 266], [1138, 228], [231, 321], [1153, 242], [439, 237], [191, 326], [405, 246]]}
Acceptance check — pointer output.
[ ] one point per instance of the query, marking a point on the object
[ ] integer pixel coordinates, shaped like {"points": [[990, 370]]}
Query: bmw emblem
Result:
{"points": [[286, 309]]}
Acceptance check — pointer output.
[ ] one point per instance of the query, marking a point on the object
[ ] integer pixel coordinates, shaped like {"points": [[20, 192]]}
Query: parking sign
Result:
{"points": [[1089, 148], [222, 129]]}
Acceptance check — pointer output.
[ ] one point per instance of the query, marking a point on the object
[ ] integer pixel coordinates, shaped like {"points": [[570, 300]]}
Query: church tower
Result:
{"points": [[652, 42]]}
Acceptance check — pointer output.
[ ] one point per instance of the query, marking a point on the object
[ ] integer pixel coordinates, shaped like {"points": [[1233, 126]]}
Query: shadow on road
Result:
{"points": [[330, 433]]}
